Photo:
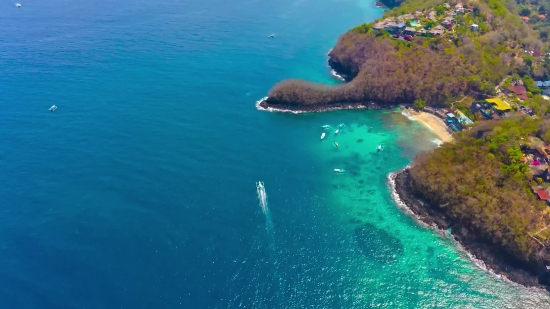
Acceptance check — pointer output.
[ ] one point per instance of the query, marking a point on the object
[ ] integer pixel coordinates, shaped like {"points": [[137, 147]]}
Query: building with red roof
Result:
{"points": [[519, 91], [543, 195]]}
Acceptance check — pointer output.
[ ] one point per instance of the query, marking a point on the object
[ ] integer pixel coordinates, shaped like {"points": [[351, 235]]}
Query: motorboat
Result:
{"points": [[379, 147], [18, 5], [326, 126], [271, 36], [53, 108], [339, 170], [341, 125], [336, 144], [337, 130], [323, 135]]}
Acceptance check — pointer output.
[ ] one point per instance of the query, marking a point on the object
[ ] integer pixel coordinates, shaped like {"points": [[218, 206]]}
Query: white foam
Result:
{"points": [[438, 142], [406, 114], [271, 109], [338, 76]]}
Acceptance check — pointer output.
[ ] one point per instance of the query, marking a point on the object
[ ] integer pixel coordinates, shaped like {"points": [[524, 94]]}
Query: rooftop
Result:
{"points": [[543, 194], [499, 104]]}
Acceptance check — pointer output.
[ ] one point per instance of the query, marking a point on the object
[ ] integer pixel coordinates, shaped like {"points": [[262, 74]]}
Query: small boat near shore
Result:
{"points": [[323, 135], [341, 125], [326, 126], [379, 147], [339, 170], [53, 108], [337, 130]]}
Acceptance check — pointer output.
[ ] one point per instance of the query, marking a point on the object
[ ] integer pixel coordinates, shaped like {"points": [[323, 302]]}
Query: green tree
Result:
{"points": [[419, 104]]}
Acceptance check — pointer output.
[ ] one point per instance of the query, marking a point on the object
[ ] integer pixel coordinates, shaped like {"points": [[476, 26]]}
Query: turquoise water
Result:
{"points": [[139, 190]]}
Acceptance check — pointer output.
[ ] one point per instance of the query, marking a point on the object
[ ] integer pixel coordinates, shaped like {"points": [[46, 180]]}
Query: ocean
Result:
{"points": [[140, 190]]}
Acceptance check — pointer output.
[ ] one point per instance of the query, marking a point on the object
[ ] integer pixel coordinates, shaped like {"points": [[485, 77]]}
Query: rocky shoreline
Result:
{"points": [[264, 105], [339, 72], [479, 250]]}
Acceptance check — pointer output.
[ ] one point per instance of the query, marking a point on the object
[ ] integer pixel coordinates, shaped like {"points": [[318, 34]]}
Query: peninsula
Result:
{"points": [[481, 67]]}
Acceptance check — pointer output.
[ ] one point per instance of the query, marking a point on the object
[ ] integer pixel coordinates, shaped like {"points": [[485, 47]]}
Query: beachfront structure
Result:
{"points": [[499, 105], [463, 118]]}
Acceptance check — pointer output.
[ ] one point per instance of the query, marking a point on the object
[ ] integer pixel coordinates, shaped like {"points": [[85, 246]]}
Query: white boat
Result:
{"points": [[326, 126], [341, 125], [337, 130], [271, 36], [18, 5], [323, 135], [379, 147], [53, 108], [339, 170]]}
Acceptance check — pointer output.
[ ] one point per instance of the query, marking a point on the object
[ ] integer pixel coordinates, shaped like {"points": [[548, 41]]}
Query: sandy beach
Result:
{"points": [[433, 123]]}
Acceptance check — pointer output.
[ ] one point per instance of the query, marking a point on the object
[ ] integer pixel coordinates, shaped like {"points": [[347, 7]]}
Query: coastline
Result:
{"points": [[296, 109], [434, 123], [481, 254]]}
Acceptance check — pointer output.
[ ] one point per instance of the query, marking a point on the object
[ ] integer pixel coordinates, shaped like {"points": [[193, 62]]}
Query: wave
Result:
{"points": [[338, 76], [409, 116], [272, 109], [438, 142]]}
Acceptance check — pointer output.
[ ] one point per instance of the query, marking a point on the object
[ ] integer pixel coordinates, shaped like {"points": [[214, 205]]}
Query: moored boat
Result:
{"points": [[339, 170], [323, 135], [53, 108]]}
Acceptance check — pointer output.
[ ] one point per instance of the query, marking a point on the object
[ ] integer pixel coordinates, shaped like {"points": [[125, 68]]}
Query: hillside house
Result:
{"points": [[474, 27], [409, 30], [422, 32], [378, 26], [538, 53], [543, 195], [500, 107], [459, 8], [545, 175], [519, 91]]}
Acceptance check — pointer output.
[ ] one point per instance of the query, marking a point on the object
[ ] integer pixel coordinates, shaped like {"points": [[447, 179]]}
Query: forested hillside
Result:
{"points": [[481, 184], [386, 67]]}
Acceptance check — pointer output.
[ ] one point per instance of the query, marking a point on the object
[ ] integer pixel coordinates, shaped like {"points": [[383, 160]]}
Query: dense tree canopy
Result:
{"points": [[481, 182]]}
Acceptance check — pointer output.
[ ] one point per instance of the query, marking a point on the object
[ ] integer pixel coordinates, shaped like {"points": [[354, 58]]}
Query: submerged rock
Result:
{"points": [[377, 244]]}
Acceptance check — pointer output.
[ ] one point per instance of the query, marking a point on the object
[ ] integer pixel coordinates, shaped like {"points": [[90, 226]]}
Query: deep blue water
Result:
{"points": [[139, 190]]}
